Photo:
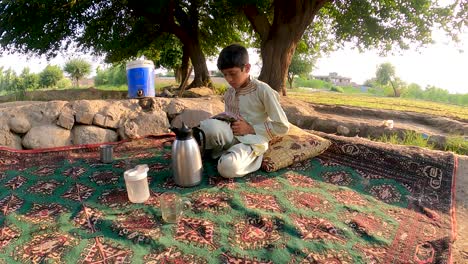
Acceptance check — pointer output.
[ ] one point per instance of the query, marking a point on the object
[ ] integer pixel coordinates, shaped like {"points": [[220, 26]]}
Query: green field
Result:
{"points": [[390, 103]]}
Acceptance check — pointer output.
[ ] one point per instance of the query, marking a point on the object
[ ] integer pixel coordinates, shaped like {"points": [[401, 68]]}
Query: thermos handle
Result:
{"points": [[196, 132]]}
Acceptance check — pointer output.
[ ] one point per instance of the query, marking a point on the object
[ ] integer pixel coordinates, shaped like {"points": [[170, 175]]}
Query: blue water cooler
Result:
{"points": [[140, 79]]}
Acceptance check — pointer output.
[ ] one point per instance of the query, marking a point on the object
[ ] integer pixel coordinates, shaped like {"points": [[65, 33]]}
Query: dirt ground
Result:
{"points": [[460, 247]]}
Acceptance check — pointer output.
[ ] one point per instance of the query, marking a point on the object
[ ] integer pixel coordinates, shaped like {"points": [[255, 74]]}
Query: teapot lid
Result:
{"points": [[183, 133]]}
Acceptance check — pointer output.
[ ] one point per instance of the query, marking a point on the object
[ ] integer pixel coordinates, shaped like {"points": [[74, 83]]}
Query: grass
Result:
{"points": [[456, 144], [409, 138], [400, 104]]}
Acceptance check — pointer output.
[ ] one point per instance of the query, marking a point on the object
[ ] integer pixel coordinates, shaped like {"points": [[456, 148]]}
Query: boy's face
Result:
{"points": [[236, 76]]}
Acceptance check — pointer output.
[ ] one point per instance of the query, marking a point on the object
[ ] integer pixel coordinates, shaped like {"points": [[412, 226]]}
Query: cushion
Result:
{"points": [[296, 146]]}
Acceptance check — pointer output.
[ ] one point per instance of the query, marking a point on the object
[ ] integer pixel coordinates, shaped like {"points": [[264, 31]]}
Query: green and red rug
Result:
{"points": [[355, 203]]}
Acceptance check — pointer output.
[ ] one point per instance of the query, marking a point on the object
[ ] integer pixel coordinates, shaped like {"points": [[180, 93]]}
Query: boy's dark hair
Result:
{"points": [[232, 56]]}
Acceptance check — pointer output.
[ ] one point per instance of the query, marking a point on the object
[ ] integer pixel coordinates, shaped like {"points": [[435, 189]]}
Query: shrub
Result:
{"points": [[115, 75], [310, 83], [337, 89], [220, 88], [50, 76], [64, 83]]}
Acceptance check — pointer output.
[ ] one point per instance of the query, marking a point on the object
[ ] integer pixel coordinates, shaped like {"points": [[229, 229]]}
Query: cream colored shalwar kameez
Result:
{"points": [[259, 105]]}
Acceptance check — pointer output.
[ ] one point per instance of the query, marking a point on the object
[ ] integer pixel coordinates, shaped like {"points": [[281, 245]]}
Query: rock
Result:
{"points": [[91, 107], [112, 122], [99, 120], [342, 130], [213, 105], [19, 124], [66, 119], [167, 93], [92, 134], [144, 124], [198, 92], [84, 118], [47, 136], [51, 111], [43, 113], [7, 138], [438, 141], [191, 117], [175, 107], [109, 116], [105, 121]]}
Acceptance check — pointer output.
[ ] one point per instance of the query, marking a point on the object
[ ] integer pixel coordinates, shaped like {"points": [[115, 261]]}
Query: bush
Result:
{"points": [[50, 76], [337, 89], [312, 83], [64, 83], [115, 75], [220, 88]]}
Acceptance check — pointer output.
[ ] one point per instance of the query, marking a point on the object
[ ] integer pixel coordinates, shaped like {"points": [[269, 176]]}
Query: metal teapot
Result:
{"points": [[186, 156]]}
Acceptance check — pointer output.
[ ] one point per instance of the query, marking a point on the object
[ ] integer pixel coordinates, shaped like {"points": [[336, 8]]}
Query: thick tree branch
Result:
{"points": [[259, 21], [299, 14]]}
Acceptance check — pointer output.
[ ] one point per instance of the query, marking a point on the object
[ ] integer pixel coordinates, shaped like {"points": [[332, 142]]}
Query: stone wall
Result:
{"points": [[32, 125], [63, 123]]}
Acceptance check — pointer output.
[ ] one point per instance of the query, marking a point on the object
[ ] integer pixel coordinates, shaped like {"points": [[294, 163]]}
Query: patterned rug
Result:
{"points": [[356, 203]]}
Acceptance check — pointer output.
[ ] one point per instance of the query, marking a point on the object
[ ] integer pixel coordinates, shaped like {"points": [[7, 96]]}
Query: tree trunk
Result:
{"points": [[178, 74], [279, 39], [184, 67], [290, 80], [202, 77], [194, 51], [183, 84], [276, 56], [397, 94]]}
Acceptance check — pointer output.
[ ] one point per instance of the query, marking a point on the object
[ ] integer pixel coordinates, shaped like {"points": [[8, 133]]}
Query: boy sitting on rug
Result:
{"points": [[253, 116]]}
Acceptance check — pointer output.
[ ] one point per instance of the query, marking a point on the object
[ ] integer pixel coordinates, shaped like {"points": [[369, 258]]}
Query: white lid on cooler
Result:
{"points": [[140, 64]]}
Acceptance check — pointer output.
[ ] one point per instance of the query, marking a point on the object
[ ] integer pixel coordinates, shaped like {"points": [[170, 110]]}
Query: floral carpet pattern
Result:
{"points": [[352, 204]]}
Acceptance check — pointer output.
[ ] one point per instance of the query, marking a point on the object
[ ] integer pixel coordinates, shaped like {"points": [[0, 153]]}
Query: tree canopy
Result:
{"points": [[385, 75], [118, 29], [77, 69], [126, 29], [50, 76], [383, 24]]}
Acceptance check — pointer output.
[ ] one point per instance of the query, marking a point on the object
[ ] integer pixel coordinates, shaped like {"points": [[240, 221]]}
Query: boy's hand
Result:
{"points": [[241, 128]]}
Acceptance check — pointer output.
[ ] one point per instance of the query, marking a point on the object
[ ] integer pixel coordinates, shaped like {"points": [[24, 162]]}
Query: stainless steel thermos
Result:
{"points": [[186, 157]]}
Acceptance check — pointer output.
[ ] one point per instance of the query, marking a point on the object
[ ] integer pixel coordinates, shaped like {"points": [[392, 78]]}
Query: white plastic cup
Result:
{"points": [[136, 181]]}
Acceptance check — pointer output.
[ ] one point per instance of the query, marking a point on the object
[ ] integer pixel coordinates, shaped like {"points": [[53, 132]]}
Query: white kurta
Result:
{"points": [[259, 105]]}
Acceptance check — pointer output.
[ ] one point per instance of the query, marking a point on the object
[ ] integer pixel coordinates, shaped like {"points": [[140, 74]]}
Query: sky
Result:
{"points": [[442, 64]]}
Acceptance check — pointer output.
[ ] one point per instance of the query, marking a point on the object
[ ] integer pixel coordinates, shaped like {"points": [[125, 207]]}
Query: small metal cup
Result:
{"points": [[106, 152]]}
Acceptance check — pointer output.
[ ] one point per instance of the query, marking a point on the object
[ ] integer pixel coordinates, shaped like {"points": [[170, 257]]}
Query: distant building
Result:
{"points": [[334, 78]]}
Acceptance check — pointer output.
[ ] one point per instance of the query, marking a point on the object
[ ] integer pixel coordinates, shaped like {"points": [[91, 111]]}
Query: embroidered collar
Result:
{"points": [[250, 87]]}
